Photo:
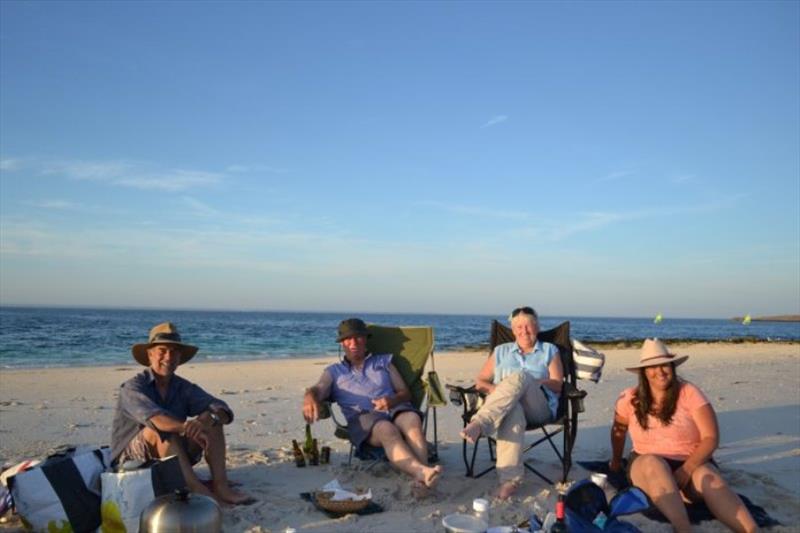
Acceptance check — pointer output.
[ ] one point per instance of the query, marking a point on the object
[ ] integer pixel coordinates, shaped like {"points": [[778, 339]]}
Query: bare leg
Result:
{"points": [[707, 484], [410, 426], [176, 445], [386, 435], [654, 476], [215, 457]]}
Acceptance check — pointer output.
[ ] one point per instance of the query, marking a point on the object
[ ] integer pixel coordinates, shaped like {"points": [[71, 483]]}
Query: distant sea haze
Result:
{"points": [[42, 337]]}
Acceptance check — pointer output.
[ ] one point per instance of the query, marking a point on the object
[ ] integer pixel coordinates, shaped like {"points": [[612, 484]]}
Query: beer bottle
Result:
{"points": [[299, 460], [313, 458], [309, 441]]}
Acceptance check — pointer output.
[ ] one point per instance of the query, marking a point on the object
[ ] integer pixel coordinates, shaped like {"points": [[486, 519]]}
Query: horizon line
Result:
{"points": [[351, 312]]}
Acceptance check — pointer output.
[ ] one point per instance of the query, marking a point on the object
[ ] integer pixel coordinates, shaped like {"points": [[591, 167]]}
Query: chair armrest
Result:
{"points": [[574, 395], [326, 411], [468, 397], [458, 394]]}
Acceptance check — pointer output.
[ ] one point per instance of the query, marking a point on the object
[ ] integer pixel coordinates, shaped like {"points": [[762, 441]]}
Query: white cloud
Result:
{"points": [[54, 204], [497, 119], [240, 169], [683, 178], [618, 175], [171, 180], [473, 210], [137, 175], [9, 165], [593, 221], [200, 208]]}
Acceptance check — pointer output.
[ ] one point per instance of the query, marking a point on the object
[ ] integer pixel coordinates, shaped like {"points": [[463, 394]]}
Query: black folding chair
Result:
{"points": [[566, 422]]}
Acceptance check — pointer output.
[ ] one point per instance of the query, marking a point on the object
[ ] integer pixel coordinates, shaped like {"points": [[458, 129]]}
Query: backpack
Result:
{"points": [[587, 510]]}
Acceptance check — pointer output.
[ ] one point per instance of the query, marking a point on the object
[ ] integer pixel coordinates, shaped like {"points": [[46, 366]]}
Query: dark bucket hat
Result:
{"points": [[350, 328], [164, 333]]}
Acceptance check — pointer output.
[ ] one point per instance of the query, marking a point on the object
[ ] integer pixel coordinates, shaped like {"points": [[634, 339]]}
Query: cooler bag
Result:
{"points": [[127, 493], [63, 492]]}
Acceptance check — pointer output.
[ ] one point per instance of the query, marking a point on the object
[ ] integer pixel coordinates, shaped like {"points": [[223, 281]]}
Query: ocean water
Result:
{"points": [[42, 337]]}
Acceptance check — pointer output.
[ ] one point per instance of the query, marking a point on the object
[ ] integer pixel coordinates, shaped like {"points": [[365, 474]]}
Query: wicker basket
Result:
{"points": [[323, 499]]}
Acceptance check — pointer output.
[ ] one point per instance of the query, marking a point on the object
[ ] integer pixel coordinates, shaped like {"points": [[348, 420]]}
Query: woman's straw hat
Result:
{"points": [[164, 333], [654, 353]]}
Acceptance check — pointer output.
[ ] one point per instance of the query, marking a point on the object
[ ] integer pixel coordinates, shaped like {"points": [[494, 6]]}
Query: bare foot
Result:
{"points": [[235, 497], [472, 432], [419, 490], [200, 488], [429, 475], [506, 490]]}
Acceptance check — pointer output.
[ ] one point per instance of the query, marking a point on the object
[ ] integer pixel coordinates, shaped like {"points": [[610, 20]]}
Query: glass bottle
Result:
{"points": [[309, 441], [480, 509], [560, 526], [299, 460], [313, 458]]}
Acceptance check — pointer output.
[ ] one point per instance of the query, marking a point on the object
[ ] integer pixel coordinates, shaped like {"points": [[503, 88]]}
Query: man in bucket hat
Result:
{"points": [[376, 403], [161, 414]]}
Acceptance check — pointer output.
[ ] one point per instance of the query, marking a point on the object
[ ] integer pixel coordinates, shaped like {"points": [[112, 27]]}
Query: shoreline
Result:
{"points": [[613, 345], [754, 388]]}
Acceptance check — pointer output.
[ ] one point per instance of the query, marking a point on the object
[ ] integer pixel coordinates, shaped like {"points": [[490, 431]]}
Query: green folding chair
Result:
{"points": [[412, 348]]}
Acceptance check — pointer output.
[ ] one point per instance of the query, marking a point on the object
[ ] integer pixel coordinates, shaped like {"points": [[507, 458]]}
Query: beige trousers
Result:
{"points": [[516, 401]]}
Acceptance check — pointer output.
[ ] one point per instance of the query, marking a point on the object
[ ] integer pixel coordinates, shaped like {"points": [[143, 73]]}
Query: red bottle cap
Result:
{"points": [[559, 509]]}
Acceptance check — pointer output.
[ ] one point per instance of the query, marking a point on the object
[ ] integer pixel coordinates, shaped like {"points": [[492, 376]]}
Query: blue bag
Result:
{"points": [[588, 511]]}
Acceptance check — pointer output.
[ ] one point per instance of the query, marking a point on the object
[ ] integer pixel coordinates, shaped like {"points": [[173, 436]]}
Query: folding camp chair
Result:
{"points": [[566, 422], [412, 347]]}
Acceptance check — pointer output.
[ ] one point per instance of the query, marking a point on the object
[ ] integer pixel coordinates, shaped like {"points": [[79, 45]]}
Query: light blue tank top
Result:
{"points": [[508, 359], [354, 389]]}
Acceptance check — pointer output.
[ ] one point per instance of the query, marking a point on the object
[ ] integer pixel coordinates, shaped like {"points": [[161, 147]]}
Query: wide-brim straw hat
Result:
{"points": [[164, 333], [654, 353]]}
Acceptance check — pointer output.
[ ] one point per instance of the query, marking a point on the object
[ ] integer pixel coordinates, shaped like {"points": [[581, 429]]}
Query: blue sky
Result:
{"points": [[592, 158]]}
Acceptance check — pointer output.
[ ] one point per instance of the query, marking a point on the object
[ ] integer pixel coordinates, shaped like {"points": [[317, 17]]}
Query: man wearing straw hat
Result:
{"points": [[161, 414]]}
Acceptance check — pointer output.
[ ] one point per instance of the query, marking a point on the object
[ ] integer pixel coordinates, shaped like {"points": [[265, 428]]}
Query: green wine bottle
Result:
{"points": [[309, 443]]}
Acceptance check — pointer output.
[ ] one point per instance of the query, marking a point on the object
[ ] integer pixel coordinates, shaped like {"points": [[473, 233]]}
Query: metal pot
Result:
{"points": [[181, 512]]}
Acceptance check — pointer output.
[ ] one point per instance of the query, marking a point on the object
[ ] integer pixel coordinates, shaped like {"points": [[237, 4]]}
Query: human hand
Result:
{"points": [[310, 409], [381, 404], [195, 430], [682, 477]]}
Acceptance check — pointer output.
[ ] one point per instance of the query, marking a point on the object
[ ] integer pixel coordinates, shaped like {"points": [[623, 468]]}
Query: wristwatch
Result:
{"points": [[215, 420]]}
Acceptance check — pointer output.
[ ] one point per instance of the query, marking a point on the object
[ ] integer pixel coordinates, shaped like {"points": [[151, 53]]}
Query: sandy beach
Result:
{"points": [[754, 387]]}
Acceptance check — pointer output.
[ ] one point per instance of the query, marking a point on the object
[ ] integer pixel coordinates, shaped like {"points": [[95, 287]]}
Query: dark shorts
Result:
{"points": [[361, 426], [139, 450], [674, 464]]}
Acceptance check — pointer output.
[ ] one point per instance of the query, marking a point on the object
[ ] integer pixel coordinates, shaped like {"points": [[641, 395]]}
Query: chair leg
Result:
{"points": [[435, 456], [534, 471]]}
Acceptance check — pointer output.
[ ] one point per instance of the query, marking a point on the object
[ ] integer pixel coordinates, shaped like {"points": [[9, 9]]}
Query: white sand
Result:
{"points": [[755, 389]]}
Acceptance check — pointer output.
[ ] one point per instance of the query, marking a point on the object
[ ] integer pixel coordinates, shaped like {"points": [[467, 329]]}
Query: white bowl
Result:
{"points": [[463, 523]]}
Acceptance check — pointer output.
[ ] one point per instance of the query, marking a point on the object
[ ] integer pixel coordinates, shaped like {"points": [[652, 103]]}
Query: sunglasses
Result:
{"points": [[524, 311]]}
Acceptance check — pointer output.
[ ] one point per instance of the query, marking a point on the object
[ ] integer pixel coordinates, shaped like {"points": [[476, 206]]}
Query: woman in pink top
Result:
{"points": [[674, 432]]}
